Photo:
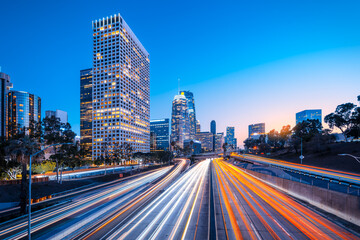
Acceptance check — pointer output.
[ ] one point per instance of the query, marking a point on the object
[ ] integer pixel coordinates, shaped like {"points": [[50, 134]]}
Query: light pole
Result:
{"points": [[346, 154], [31, 155]]}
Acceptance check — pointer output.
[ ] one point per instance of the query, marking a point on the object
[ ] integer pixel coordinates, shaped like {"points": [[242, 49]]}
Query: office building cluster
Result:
{"points": [[115, 92], [18, 108]]}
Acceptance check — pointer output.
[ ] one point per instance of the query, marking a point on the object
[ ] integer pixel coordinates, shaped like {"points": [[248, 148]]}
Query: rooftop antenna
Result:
{"points": [[179, 85]]}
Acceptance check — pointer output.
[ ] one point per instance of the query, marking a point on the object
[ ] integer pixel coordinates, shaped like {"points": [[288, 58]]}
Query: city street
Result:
{"points": [[247, 208], [88, 210], [180, 212]]}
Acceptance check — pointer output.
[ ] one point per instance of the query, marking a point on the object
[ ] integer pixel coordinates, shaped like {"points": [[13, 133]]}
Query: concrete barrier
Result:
{"points": [[342, 205]]}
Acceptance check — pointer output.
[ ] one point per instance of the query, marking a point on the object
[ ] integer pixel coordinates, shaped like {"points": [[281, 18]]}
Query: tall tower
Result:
{"points": [[192, 113], [213, 127], [121, 88], [180, 124], [213, 131], [24, 107], [5, 86], [86, 110]]}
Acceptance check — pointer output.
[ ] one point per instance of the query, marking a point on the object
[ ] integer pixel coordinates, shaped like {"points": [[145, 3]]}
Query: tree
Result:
{"points": [[224, 146], [19, 149], [274, 138], [355, 127], [285, 134], [341, 118]]}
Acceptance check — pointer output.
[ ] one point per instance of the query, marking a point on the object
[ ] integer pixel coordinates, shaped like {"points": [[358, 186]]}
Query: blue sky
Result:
{"points": [[245, 61]]}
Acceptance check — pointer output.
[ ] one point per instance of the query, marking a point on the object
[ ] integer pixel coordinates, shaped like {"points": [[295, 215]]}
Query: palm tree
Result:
{"points": [[20, 149]]}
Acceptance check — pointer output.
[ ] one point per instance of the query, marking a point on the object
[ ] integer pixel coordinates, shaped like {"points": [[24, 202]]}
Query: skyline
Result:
{"points": [[315, 47]]}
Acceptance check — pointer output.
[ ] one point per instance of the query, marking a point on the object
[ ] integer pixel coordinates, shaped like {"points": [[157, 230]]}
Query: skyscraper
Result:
{"points": [[206, 139], [213, 131], [213, 127], [23, 108], [86, 111], [160, 130], [230, 138], [219, 141], [5, 86], [180, 124], [314, 114], [121, 88], [192, 113], [61, 115], [198, 126], [256, 129]]}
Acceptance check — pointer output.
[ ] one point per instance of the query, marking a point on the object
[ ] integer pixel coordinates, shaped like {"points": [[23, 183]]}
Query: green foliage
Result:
{"points": [[43, 167], [307, 129], [344, 118]]}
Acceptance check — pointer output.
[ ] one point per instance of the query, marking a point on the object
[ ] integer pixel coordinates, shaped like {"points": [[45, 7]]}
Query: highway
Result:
{"points": [[324, 172], [70, 219], [247, 208], [180, 212]]}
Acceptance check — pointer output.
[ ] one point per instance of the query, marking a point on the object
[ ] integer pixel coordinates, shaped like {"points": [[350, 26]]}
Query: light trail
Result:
{"points": [[81, 206], [174, 208], [266, 208], [336, 174]]}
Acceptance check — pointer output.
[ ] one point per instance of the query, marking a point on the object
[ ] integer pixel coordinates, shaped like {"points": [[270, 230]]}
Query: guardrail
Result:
{"points": [[323, 176]]}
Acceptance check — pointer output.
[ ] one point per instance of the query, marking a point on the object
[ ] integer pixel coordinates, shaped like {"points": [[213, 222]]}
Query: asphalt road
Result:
{"points": [[180, 212], [247, 208], [69, 219]]}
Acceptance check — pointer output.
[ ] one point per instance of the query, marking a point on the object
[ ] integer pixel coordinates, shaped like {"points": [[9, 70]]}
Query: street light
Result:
{"points": [[31, 155], [345, 154]]}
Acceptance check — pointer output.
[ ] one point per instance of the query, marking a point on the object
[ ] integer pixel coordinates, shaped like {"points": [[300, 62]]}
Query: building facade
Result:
{"points": [[314, 114], [23, 109], [230, 138], [59, 114], [219, 141], [206, 139], [192, 113], [120, 89], [198, 126], [213, 127], [180, 124], [5, 86], [86, 111], [194, 146], [159, 128], [256, 129]]}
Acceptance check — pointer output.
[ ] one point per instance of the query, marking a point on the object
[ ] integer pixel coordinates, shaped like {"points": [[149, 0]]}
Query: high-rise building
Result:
{"points": [[206, 139], [213, 127], [213, 131], [5, 86], [256, 129], [23, 109], [160, 130], [198, 126], [314, 114], [192, 113], [230, 138], [86, 111], [180, 124], [358, 98], [61, 115], [121, 88], [219, 141]]}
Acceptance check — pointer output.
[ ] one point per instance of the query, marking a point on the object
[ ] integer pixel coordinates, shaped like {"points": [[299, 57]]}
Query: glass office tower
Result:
{"points": [[230, 138], [121, 88], [159, 128], [5, 86], [180, 124], [314, 114], [23, 108], [192, 113], [86, 111], [256, 129]]}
